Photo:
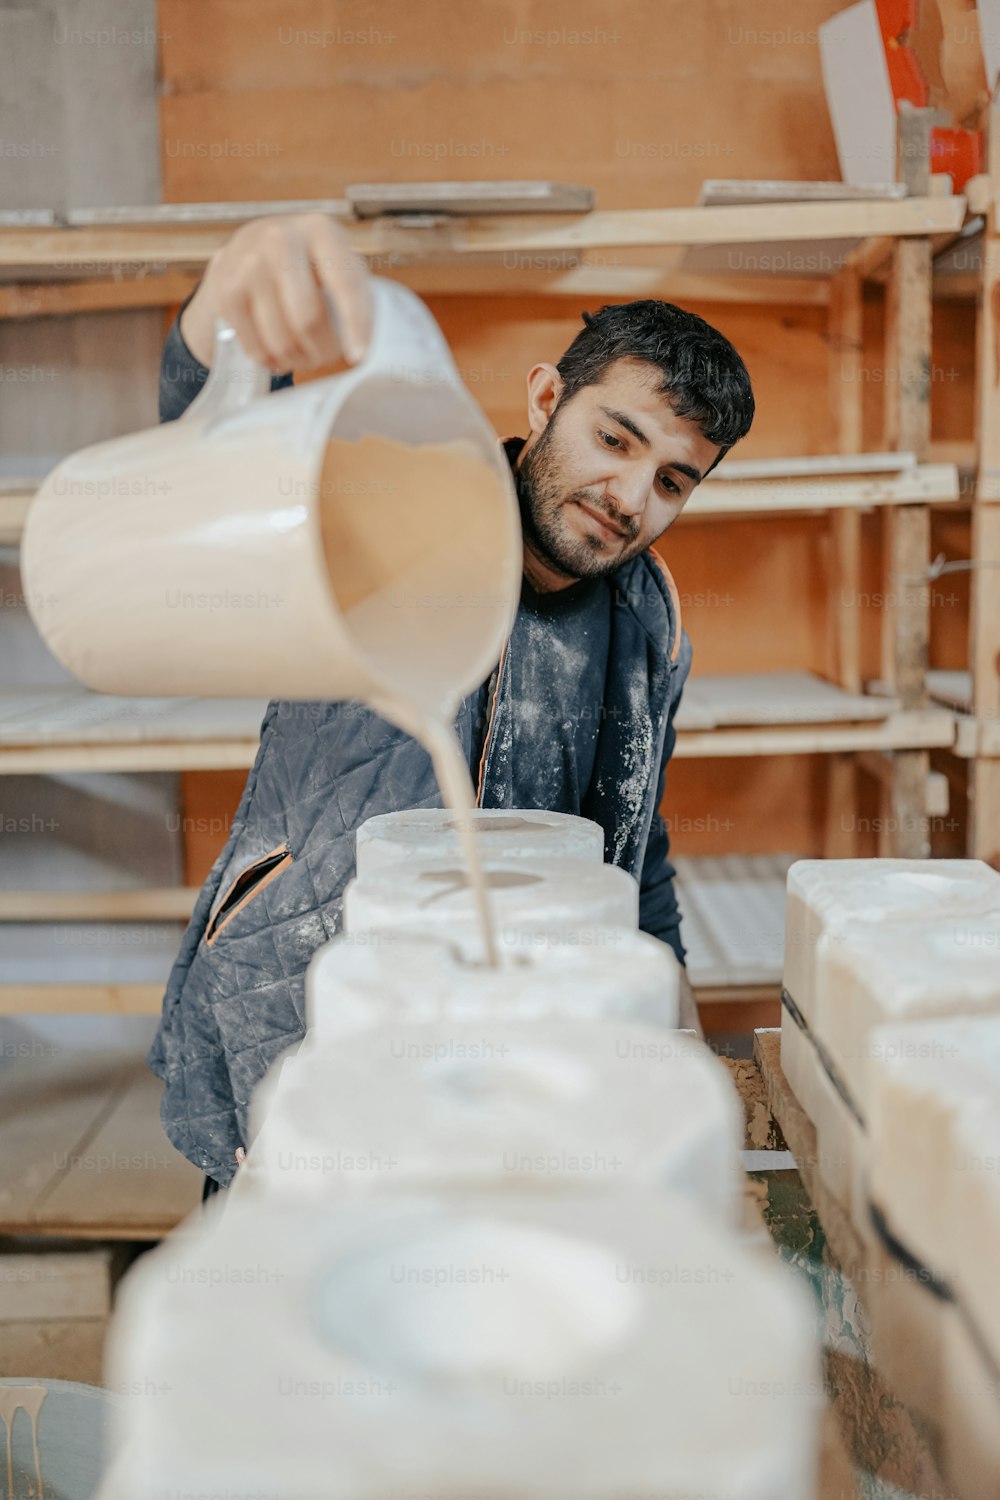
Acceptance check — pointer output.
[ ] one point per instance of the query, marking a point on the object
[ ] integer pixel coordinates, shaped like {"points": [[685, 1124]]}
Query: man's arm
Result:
{"points": [[659, 913]]}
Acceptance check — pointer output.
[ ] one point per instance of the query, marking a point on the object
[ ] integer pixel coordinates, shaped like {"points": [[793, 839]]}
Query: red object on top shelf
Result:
{"points": [[896, 19], [954, 150]]}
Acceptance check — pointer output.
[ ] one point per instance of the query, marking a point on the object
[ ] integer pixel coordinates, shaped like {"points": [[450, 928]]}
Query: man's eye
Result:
{"points": [[609, 439], [669, 486]]}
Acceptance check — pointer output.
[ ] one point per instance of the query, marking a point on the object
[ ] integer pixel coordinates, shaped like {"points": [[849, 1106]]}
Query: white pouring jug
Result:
{"points": [[232, 553]]}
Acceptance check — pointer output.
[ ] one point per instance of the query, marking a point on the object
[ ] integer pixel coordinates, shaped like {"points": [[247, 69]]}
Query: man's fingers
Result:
{"points": [[294, 292], [235, 309], [345, 276], [307, 310], [284, 352]]}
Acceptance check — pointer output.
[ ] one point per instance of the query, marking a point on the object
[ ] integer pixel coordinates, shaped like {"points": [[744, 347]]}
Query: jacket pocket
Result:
{"points": [[248, 884]]}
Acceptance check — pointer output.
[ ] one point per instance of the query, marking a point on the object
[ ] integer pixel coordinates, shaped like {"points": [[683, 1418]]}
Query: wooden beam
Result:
{"points": [[906, 530], [923, 483], [984, 613], [59, 298], [846, 341], [177, 755], [81, 999], [839, 835], [130, 248], [574, 279], [921, 728], [149, 904], [935, 484]]}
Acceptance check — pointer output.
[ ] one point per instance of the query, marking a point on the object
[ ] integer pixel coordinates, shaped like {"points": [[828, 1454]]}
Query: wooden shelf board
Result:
{"points": [[135, 904], [84, 1151], [808, 484], [205, 735], [69, 728], [733, 921], [723, 700], [191, 243], [913, 729], [952, 688], [81, 999], [920, 484]]}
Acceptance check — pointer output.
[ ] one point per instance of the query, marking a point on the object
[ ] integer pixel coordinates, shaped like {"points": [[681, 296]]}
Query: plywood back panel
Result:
{"points": [[640, 101]]}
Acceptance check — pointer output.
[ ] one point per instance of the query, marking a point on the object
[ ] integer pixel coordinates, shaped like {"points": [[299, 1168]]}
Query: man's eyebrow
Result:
{"points": [[627, 423], [623, 421]]}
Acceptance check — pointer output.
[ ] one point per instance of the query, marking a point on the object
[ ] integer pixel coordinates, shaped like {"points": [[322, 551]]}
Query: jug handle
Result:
{"points": [[235, 379]]}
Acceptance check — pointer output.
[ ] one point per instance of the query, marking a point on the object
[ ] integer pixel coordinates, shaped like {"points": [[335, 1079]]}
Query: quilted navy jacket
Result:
{"points": [[235, 998]]}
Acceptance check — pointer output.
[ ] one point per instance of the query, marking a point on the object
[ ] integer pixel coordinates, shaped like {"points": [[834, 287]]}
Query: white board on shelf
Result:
{"points": [[859, 94]]}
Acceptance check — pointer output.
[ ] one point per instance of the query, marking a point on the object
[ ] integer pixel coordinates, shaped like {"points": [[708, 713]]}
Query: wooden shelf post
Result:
{"points": [[906, 530]]}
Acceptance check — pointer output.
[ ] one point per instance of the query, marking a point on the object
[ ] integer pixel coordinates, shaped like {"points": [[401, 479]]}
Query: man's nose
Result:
{"points": [[627, 493]]}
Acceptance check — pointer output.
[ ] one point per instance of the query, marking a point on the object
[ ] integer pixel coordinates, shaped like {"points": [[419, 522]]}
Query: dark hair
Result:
{"points": [[704, 378]]}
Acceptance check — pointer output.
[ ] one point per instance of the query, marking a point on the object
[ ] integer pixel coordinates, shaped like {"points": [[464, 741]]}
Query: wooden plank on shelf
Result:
{"points": [[951, 687], [191, 244], [564, 274], [147, 904], [84, 1152], [927, 728], [369, 199], [733, 909], [74, 715], [169, 214], [129, 1175], [45, 1281], [719, 700], [108, 294], [715, 190], [81, 999], [921, 484], [147, 755], [805, 466], [818, 487], [568, 274]]}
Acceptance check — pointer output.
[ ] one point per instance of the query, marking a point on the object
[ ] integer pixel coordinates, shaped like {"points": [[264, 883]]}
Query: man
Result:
{"points": [[577, 717]]}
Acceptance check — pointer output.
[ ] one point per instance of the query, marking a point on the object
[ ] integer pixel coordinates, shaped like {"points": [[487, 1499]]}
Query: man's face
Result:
{"points": [[608, 473]]}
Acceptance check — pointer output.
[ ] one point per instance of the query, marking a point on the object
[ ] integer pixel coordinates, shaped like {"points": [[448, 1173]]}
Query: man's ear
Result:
{"points": [[545, 386]]}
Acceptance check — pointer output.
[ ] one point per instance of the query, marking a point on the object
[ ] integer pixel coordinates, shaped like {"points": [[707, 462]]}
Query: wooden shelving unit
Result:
{"points": [[891, 240]]}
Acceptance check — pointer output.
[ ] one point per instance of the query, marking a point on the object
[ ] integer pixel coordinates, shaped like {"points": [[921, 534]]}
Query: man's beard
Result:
{"points": [[545, 520]]}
